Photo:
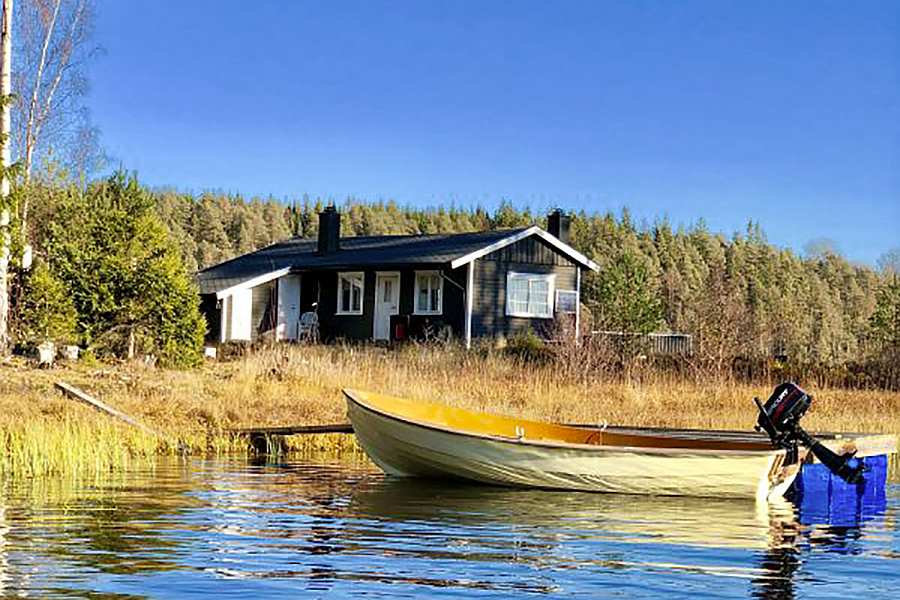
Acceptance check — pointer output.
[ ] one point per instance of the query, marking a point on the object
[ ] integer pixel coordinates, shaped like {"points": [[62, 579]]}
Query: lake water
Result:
{"points": [[319, 528]]}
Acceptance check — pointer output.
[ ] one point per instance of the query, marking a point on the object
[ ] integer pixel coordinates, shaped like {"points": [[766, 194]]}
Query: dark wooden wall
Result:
{"points": [[531, 255], [321, 286], [531, 251], [489, 299], [212, 312]]}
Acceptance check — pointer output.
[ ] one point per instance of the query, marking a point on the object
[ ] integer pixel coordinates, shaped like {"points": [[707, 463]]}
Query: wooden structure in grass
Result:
{"points": [[73, 392]]}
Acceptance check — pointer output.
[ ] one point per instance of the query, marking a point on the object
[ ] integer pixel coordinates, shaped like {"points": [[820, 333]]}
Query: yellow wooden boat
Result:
{"points": [[422, 439]]}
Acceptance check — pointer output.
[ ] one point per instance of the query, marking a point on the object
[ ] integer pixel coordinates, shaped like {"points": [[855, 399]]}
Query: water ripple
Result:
{"points": [[233, 529]]}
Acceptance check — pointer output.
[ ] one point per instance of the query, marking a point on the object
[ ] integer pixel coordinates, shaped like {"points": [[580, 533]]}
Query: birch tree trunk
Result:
{"points": [[49, 82], [5, 88], [32, 126]]}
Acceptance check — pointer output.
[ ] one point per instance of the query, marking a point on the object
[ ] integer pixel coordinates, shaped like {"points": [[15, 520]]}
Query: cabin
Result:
{"points": [[489, 284]]}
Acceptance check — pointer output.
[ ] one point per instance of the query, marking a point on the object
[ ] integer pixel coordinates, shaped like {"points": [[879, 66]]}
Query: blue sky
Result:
{"points": [[785, 113]]}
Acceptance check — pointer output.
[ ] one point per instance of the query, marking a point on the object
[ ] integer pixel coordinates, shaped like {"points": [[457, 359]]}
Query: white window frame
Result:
{"points": [[574, 294], [417, 310], [362, 292], [550, 278]]}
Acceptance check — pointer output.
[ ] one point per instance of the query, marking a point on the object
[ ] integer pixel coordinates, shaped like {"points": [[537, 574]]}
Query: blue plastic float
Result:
{"points": [[823, 498]]}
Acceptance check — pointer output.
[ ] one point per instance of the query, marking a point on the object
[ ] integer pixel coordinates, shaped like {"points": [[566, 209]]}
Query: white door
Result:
{"points": [[288, 307], [387, 303], [241, 315]]}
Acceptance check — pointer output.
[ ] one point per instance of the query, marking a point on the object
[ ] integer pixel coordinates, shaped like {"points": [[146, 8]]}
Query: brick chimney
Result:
{"points": [[558, 225], [329, 231]]}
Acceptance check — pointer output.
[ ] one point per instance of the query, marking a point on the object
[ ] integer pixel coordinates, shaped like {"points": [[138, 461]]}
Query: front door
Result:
{"points": [[387, 303], [288, 307]]}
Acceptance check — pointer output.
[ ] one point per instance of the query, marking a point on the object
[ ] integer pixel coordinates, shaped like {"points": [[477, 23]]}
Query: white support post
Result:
{"points": [[470, 292], [223, 320], [577, 305]]}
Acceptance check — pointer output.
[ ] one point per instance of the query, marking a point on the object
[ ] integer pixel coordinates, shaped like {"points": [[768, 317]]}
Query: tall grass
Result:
{"points": [[40, 432], [87, 448]]}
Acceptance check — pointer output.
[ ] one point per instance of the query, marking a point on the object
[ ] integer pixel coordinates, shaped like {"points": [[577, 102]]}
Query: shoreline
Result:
{"points": [[44, 433]]}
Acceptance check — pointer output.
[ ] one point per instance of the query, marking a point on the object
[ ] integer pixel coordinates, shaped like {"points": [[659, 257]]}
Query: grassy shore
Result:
{"points": [[42, 432]]}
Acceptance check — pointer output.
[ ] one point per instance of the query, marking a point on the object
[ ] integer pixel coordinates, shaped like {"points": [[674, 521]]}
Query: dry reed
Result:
{"points": [[43, 433]]}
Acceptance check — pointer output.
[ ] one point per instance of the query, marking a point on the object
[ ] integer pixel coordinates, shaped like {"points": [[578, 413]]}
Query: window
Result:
{"points": [[566, 301], [529, 295], [429, 292], [350, 294]]}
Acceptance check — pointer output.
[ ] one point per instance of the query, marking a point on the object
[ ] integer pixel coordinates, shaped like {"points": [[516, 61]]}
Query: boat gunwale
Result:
{"points": [[350, 394]]}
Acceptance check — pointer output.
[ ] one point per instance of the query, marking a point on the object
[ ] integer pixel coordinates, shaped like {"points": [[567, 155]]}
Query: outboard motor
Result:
{"points": [[780, 418]]}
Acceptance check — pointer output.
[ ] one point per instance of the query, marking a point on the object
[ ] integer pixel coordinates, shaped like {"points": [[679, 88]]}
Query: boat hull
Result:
{"points": [[408, 449]]}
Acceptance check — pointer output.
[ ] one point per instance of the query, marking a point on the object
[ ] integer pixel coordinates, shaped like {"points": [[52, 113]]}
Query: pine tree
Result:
{"points": [[213, 243], [746, 298], [885, 320], [623, 298], [275, 222]]}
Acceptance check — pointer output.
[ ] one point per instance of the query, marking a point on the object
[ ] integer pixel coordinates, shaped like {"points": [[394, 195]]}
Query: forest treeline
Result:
{"points": [[113, 260], [744, 300], [747, 303]]}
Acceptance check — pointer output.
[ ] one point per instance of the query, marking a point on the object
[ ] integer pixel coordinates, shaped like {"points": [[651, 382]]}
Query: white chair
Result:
{"points": [[308, 327]]}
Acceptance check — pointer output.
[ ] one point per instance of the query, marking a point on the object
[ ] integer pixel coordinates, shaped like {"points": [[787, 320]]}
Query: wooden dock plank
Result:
{"points": [[73, 392], [295, 429]]}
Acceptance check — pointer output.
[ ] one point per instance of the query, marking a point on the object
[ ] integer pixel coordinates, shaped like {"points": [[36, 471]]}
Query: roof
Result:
{"points": [[299, 254]]}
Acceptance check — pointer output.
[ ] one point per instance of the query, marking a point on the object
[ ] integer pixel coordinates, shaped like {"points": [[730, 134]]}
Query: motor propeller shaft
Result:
{"points": [[846, 466]]}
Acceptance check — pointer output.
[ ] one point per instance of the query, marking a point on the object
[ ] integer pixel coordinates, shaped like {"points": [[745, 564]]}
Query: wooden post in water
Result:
{"points": [[265, 443], [270, 440]]}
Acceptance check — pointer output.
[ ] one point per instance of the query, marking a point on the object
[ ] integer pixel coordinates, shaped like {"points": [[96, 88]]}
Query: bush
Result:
{"points": [[530, 348], [46, 311]]}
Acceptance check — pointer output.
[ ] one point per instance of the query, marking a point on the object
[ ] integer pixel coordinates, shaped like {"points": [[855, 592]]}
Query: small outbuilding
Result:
{"points": [[468, 285]]}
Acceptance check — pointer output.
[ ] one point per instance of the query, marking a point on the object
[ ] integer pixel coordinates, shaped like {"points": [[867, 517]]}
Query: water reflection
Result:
{"points": [[4, 530], [548, 522], [641, 519], [323, 527]]}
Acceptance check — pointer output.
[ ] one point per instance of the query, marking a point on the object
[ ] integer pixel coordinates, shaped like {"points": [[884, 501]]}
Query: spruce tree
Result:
{"points": [[126, 279]]}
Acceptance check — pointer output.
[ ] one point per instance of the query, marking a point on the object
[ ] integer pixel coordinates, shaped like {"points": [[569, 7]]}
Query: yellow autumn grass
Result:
{"points": [[42, 432]]}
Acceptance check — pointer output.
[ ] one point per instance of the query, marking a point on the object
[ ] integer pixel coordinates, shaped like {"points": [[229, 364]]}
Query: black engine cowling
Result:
{"points": [[780, 418]]}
